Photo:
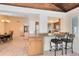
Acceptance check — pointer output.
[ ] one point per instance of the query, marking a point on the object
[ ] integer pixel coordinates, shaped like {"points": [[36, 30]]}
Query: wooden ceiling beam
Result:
{"points": [[66, 6], [74, 7], [59, 6]]}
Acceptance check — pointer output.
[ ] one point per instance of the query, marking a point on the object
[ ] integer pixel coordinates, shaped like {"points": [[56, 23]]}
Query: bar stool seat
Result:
{"points": [[67, 40], [56, 41]]}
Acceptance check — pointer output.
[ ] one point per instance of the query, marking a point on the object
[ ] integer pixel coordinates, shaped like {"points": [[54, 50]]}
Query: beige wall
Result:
{"points": [[1, 27], [67, 24], [16, 24]]}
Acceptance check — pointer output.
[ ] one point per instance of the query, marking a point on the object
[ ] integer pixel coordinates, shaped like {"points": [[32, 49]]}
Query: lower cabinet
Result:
{"points": [[35, 46]]}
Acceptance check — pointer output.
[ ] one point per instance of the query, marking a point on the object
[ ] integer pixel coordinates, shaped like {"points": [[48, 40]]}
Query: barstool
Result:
{"points": [[69, 39], [57, 40]]}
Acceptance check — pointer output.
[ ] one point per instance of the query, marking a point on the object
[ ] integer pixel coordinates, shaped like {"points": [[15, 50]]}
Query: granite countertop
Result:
{"points": [[34, 36], [41, 35]]}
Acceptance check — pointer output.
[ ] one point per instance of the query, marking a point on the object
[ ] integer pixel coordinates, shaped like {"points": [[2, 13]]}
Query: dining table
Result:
{"points": [[4, 37]]}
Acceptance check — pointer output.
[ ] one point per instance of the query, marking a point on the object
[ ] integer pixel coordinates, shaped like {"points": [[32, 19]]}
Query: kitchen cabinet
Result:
{"points": [[35, 45]]}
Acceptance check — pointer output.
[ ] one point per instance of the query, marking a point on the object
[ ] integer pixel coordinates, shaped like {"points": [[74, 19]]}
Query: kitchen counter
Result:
{"points": [[37, 44]]}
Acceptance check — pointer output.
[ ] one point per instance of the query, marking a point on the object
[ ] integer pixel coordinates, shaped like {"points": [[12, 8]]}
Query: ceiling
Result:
{"points": [[63, 7]]}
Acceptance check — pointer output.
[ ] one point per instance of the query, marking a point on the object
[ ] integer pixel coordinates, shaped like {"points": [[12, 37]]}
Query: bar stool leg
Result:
{"points": [[72, 47], [50, 46], [62, 48], [56, 47], [55, 50], [65, 47]]}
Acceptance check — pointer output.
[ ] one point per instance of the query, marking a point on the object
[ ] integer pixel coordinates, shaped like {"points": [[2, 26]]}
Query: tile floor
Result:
{"points": [[17, 48]]}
